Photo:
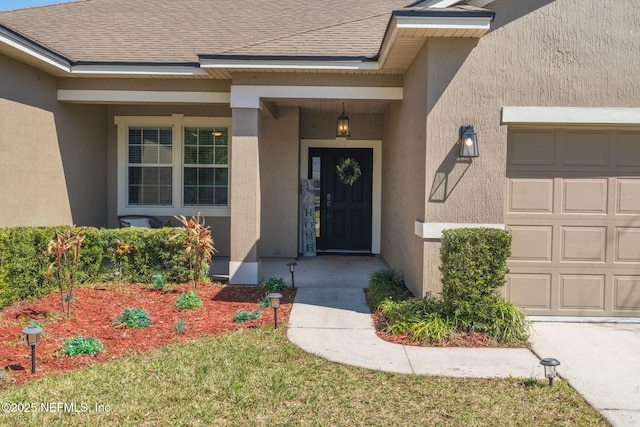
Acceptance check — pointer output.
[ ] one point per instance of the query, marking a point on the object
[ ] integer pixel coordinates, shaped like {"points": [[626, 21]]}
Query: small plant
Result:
{"points": [[188, 300], [81, 345], [243, 316], [265, 302], [199, 245], [66, 251], [275, 284], [181, 325], [120, 253], [159, 281], [134, 318]]}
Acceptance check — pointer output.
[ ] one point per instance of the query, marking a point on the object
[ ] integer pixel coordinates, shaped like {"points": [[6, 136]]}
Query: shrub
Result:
{"points": [[199, 246], [181, 325], [24, 262], [188, 300], [65, 249], [159, 281], [134, 318], [275, 284], [386, 284], [243, 316], [265, 302], [82, 345]]}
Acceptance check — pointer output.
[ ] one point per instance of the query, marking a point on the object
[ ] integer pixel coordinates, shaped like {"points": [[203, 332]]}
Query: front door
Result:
{"points": [[343, 180]]}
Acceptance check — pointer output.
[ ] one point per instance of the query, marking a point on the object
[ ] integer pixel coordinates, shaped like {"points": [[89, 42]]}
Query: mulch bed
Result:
{"points": [[96, 307]]}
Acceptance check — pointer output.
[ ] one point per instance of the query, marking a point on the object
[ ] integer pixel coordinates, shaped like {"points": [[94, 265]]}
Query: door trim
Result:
{"points": [[376, 202]]}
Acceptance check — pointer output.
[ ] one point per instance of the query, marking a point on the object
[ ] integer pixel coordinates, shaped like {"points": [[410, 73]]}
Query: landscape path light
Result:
{"points": [[32, 332], [550, 369], [275, 304], [292, 269]]}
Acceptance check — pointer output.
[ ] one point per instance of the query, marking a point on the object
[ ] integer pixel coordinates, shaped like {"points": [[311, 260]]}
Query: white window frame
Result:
{"points": [[177, 122]]}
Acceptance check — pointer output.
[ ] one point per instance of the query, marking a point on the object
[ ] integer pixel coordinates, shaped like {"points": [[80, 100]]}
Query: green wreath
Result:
{"points": [[348, 170]]}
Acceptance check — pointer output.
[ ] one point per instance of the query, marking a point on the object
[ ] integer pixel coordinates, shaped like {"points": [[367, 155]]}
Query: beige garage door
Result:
{"points": [[573, 209]]}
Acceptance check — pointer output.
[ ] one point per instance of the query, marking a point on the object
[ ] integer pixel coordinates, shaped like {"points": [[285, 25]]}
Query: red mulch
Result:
{"points": [[95, 309]]}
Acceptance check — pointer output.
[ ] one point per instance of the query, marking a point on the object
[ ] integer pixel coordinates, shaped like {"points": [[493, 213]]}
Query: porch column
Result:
{"points": [[244, 266]]}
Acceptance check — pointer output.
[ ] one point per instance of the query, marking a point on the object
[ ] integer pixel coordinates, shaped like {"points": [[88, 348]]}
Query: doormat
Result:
{"points": [[347, 257]]}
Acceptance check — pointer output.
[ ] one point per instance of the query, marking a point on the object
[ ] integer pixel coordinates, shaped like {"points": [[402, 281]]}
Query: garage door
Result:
{"points": [[573, 209]]}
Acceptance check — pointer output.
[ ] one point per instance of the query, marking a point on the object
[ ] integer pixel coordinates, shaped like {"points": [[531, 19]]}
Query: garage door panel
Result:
{"points": [[628, 152], [532, 148], [628, 196], [586, 149], [531, 195], [585, 196], [531, 243], [532, 291], [627, 244], [626, 292], [582, 292], [584, 244]]}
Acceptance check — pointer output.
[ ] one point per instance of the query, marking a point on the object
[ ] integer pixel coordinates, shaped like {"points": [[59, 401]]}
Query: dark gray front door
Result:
{"points": [[343, 180]]}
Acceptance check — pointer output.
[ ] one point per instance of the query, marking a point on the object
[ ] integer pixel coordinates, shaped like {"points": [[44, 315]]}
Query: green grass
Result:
{"points": [[256, 377]]}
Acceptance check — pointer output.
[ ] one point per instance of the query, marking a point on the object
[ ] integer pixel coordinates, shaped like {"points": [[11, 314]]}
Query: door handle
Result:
{"points": [[328, 200]]}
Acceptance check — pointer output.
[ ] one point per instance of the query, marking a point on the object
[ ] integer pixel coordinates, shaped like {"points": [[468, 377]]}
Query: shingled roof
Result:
{"points": [[177, 31]]}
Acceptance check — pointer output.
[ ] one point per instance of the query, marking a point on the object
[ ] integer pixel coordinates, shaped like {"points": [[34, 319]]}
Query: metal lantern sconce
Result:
{"points": [[550, 369], [275, 304], [468, 142], [292, 269], [32, 332], [342, 129]]}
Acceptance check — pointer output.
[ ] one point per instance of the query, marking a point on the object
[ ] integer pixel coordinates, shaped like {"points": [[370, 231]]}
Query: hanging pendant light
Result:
{"points": [[342, 130]]}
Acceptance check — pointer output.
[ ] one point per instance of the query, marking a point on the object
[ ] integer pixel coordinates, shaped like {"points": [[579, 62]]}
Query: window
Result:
{"points": [[173, 165]]}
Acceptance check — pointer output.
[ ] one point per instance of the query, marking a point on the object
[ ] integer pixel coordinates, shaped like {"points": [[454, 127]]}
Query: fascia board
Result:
{"points": [[138, 70], [36, 51], [287, 64]]}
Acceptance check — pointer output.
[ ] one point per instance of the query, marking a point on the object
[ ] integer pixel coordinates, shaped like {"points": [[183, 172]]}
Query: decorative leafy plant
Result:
{"points": [[159, 281], [81, 345], [199, 245], [134, 318], [265, 302], [181, 325], [188, 300], [274, 284], [66, 251], [243, 316], [120, 252]]}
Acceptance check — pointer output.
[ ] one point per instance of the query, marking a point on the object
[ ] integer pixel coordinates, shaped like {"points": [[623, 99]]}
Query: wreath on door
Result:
{"points": [[348, 170]]}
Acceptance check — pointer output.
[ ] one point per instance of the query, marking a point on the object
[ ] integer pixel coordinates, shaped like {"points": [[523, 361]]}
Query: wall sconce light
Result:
{"points": [[32, 332], [275, 304], [550, 369], [468, 142], [292, 269], [342, 130]]}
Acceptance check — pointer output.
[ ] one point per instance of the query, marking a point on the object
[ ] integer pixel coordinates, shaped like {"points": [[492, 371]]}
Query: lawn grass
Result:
{"points": [[257, 377]]}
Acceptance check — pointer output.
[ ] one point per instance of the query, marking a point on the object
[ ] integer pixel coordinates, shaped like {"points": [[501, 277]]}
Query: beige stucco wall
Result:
{"points": [[279, 159], [52, 162], [538, 53], [403, 172]]}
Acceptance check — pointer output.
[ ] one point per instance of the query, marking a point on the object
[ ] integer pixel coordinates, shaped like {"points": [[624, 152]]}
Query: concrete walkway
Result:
{"points": [[330, 318]]}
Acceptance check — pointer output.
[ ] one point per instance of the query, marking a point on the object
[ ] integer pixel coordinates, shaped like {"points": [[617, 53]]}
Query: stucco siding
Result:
{"points": [[538, 53], [52, 167], [403, 177], [279, 159]]}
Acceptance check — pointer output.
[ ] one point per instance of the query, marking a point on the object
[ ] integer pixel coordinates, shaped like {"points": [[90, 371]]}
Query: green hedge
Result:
{"points": [[23, 261]]}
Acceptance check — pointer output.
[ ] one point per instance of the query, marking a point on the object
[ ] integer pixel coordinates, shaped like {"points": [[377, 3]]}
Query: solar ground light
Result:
{"points": [[275, 304], [32, 332], [292, 268], [550, 369]]}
